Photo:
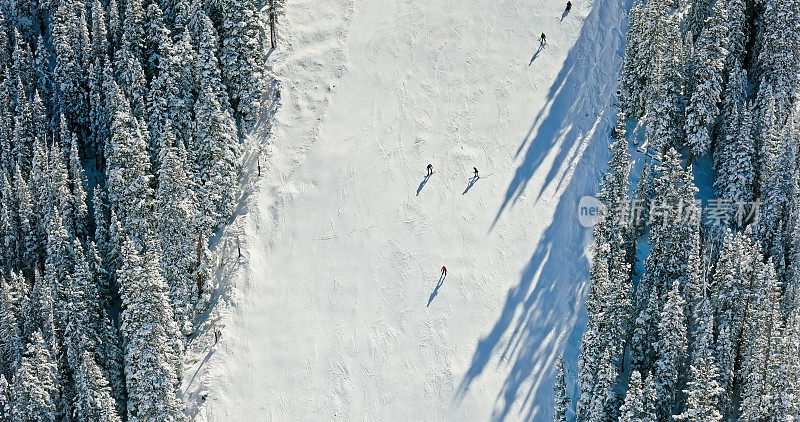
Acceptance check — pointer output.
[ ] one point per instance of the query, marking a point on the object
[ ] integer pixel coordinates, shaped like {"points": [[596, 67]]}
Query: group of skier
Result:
{"points": [[543, 38], [543, 41], [430, 172]]}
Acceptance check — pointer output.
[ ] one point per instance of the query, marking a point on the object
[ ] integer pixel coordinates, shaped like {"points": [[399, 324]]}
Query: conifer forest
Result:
{"points": [[120, 151], [694, 307]]}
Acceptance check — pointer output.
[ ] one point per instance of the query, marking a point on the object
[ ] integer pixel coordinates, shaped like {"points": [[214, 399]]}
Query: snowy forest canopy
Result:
{"points": [[709, 329], [120, 151]]}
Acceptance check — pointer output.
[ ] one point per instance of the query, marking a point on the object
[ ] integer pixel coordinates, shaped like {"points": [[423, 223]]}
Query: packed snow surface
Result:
{"points": [[334, 311]]}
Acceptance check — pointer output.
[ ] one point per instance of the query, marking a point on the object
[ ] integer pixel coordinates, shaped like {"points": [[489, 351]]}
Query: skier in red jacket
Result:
{"points": [[444, 271]]}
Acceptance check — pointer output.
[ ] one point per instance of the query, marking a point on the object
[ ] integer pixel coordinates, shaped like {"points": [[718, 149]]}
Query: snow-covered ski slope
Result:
{"points": [[335, 313]]}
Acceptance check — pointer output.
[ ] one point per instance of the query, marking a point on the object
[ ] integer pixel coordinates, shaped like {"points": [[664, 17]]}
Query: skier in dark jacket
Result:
{"points": [[430, 170], [542, 39], [569, 7], [476, 172]]}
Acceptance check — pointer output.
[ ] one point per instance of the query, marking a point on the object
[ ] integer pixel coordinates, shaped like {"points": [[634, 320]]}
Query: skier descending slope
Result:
{"points": [[430, 170], [444, 273], [542, 39], [569, 7], [476, 173], [315, 221]]}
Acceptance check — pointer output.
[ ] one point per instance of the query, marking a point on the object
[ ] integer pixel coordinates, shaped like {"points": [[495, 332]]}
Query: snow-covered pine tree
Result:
{"points": [[77, 198], [243, 59], [58, 187], [638, 405], [605, 403], [24, 133], [183, 69], [730, 290], [735, 95], [81, 332], [5, 56], [6, 124], [608, 309], [674, 254], [11, 342], [561, 399], [157, 41], [133, 29], [58, 265], [764, 323], [216, 151], [102, 243], [207, 65], [703, 390], [113, 259], [613, 225], [70, 97], [664, 113], [635, 64], [5, 399], [698, 12], [110, 359], [791, 295], [22, 64], [168, 7], [127, 171], [784, 370], [768, 134], [99, 120], [148, 330], [84, 43], [33, 389], [710, 56], [98, 32], [132, 82], [9, 226], [93, 401], [114, 24], [671, 350], [779, 55], [185, 11], [38, 311], [44, 75], [593, 342], [177, 233], [736, 175], [644, 333], [733, 99], [775, 225], [7, 238], [39, 122], [166, 98], [737, 33]]}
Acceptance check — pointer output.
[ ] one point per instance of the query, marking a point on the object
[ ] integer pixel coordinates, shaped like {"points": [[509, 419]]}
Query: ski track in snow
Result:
{"points": [[335, 312]]}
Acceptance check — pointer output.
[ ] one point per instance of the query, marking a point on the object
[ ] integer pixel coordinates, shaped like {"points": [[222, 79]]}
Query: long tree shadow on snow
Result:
{"points": [[543, 313], [576, 100]]}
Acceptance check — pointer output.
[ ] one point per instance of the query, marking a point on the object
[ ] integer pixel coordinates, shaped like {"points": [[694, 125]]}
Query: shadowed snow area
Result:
{"points": [[337, 312]]}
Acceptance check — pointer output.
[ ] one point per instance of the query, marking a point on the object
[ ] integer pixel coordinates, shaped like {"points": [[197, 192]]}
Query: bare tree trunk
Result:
{"points": [[199, 262], [272, 37]]}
